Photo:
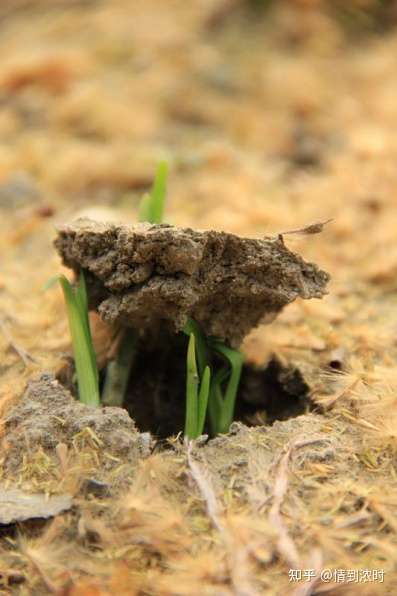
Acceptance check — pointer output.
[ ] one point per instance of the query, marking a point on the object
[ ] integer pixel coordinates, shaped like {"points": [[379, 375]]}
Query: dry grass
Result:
{"points": [[87, 115]]}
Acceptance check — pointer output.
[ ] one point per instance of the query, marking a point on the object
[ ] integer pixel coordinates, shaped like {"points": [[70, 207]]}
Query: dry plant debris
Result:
{"points": [[146, 275], [17, 506]]}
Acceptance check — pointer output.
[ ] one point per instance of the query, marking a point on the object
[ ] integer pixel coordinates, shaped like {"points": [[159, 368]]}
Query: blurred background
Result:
{"points": [[272, 115]]}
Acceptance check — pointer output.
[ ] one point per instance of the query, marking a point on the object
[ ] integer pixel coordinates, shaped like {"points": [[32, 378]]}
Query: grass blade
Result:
{"points": [[87, 374], [151, 208], [215, 402], [192, 382], [203, 400], [201, 344], [157, 195], [235, 360], [51, 282], [82, 303]]}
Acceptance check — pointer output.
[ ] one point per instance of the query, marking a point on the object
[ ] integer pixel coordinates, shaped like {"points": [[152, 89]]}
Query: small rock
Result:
{"points": [[94, 487], [17, 506]]}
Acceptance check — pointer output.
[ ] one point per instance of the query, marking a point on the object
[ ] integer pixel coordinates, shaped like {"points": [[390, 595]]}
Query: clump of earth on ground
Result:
{"points": [[146, 276], [47, 415]]}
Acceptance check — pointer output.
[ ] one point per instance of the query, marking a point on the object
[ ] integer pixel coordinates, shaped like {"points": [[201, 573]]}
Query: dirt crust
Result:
{"points": [[146, 275], [48, 415]]}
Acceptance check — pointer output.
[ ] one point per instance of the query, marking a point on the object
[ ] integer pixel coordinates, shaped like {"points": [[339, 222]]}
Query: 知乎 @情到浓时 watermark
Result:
{"points": [[337, 575]]}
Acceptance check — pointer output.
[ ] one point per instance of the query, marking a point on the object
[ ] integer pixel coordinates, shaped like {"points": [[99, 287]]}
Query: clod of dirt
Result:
{"points": [[48, 415], [145, 276], [17, 506]]}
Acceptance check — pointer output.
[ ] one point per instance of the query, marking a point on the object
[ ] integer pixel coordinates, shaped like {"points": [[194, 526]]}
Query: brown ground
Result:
{"points": [[269, 123]]}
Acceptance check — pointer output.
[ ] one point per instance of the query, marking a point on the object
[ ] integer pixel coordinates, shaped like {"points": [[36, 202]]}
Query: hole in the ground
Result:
{"points": [[156, 392], [271, 393]]}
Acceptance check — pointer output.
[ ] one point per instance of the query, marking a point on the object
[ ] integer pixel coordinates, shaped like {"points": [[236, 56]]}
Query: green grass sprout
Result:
{"points": [[200, 343], [203, 400], [225, 404], [221, 400], [151, 208], [215, 400], [196, 393], [83, 349]]}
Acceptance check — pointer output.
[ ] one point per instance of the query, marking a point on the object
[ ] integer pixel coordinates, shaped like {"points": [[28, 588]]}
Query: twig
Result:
{"points": [[330, 401], [61, 450], [22, 353], [237, 555], [314, 228], [285, 544], [49, 584], [206, 490], [308, 588]]}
